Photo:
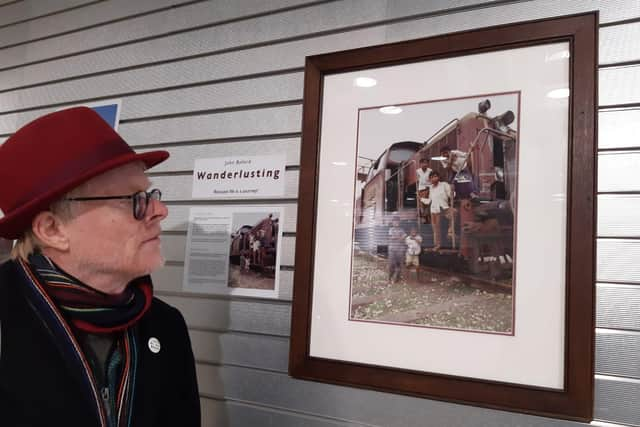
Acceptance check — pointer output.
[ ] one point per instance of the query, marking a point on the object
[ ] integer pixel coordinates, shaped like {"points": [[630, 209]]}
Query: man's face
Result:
{"points": [[434, 179], [105, 238], [423, 165]]}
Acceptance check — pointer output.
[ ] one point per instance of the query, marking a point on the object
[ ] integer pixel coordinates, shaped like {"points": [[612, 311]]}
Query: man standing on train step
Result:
{"points": [[440, 197], [83, 341], [422, 176]]}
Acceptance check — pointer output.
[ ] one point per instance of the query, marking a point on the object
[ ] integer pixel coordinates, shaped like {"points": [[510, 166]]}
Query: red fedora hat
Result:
{"points": [[52, 155]]}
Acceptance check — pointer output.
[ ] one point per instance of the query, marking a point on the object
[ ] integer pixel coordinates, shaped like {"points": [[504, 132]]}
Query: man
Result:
{"points": [[455, 160], [465, 190], [440, 198], [422, 176], [397, 248], [83, 341], [460, 176]]}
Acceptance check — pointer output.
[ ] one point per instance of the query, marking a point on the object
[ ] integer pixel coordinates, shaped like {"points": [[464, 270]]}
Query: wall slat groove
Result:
{"points": [[246, 123], [351, 15], [165, 26], [256, 316], [616, 306], [90, 91], [357, 405], [619, 43], [241, 414], [617, 354], [29, 10], [84, 18], [232, 36], [616, 171]]}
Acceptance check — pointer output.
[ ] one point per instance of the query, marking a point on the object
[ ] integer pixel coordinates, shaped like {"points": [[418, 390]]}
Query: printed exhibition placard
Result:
{"points": [[234, 250], [239, 177]]}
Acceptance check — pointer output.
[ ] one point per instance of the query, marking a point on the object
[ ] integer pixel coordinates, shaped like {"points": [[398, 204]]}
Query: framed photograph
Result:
{"points": [[446, 221]]}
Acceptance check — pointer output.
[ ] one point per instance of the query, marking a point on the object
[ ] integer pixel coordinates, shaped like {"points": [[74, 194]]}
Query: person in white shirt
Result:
{"points": [[422, 176], [414, 247], [440, 196]]}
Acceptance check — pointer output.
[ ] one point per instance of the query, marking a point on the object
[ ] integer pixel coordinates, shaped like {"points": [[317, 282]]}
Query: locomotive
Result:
{"points": [[260, 256], [478, 234]]}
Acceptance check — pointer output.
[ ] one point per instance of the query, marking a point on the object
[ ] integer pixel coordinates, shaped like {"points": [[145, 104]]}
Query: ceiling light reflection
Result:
{"points": [[559, 93], [391, 109], [563, 54], [365, 82]]}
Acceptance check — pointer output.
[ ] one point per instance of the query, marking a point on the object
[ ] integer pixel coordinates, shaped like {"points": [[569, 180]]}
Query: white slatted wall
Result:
{"points": [[221, 77]]}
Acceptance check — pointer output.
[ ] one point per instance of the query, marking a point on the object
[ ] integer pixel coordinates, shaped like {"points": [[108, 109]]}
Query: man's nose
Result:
{"points": [[159, 210]]}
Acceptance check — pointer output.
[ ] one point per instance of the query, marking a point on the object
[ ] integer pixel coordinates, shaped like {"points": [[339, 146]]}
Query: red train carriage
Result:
{"points": [[255, 247], [481, 169]]}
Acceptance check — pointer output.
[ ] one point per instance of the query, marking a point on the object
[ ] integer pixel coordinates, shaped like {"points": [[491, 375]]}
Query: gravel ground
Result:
{"points": [[435, 299]]}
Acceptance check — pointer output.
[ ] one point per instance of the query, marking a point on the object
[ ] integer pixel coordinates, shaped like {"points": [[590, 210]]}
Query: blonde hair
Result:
{"points": [[29, 243]]}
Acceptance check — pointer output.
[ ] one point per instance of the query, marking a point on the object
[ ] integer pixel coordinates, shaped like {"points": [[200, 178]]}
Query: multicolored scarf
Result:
{"points": [[69, 301], [88, 309]]}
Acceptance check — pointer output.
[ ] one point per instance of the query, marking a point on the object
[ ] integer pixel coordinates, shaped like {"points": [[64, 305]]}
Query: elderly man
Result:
{"points": [[83, 340]]}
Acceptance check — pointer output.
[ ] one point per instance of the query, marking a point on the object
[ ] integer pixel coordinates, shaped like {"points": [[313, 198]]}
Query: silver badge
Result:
{"points": [[154, 345]]}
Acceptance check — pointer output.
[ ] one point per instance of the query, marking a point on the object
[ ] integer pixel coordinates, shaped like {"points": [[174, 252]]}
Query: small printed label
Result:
{"points": [[154, 345]]}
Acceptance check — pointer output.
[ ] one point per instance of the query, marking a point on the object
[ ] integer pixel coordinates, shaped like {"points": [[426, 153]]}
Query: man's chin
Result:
{"points": [[152, 267]]}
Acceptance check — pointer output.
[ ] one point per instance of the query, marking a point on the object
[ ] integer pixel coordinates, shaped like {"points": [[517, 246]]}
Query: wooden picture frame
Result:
{"points": [[323, 327]]}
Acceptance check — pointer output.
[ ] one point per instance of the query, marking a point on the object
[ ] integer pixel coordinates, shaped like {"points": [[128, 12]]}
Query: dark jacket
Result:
{"points": [[42, 385]]}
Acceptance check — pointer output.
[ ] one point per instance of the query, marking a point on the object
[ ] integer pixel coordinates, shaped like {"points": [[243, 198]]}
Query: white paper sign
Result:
{"points": [[239, 177], [234, 250]]}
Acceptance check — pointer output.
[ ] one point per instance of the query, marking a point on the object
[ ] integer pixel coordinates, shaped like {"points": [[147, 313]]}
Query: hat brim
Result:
{"points": [[14, 224]]}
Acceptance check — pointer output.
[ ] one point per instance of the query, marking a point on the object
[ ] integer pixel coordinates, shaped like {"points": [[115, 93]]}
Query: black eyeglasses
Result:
{"points": [[140, 200]]}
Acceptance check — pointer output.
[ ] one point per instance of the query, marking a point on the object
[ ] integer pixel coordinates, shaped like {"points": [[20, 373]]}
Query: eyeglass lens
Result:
{"points": [[141, 202]]}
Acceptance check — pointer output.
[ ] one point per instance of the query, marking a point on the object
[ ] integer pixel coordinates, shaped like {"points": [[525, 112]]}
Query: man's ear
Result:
{"points": [[50, 230]]}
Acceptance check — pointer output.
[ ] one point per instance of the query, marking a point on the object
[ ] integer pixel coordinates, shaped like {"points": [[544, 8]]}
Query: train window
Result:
{"points": [[400, 155]]}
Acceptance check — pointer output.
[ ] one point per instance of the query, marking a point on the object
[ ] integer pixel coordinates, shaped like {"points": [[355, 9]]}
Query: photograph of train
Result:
{"points": [[435, 214], [253, 250]]}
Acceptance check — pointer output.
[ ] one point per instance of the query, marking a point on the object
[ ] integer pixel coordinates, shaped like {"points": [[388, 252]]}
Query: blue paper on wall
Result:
{"points": [[109, 113]]}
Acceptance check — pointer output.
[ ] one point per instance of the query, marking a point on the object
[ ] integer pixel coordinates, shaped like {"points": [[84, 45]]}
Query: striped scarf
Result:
{"points": [[95, 312], [88, 309]]}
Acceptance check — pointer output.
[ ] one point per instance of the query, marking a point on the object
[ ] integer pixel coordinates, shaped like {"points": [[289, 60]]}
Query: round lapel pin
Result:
{"points": [[154, 345]]}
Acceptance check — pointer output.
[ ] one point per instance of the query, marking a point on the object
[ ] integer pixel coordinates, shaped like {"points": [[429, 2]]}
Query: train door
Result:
{"points": [[391, 193]]}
